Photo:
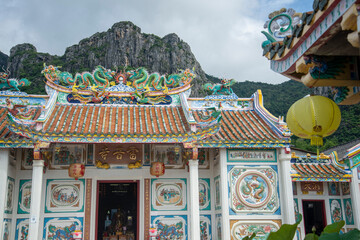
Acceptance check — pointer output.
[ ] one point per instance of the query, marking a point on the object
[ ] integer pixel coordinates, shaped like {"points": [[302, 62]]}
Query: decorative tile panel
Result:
{"points": [[218, 226], [168, 194], [253, 189], [64, 195], [205, 227], [22, 229], [334, 188], [68, 154], [6, 226], [240, 155], [204, 194], [345, 188], [24, 197], [61, 228], [9, 198], [171, 227], [349, 215], [241, 229], [335, 210], [217, 193]]}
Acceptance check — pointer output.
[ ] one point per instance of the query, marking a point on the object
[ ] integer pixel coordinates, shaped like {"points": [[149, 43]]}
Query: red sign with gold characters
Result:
{"points": [[312, 186], [119, 153]]}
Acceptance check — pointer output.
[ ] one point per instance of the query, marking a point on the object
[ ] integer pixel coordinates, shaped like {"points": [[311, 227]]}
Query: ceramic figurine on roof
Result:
{"points": [[221, 89], [120, 87], [11, 84]]}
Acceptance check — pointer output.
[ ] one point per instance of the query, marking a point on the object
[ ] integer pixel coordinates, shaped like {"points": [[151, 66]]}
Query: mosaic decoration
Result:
{"points": [[27, 159], [22, 229], [204, 194], [349, 215], [147, 154], [90, 155], [115, 154], [64, 195], [298, 234], [203, 157], [87, 212], [168, 194], [205, 227], [61, 228], [68, 154], [218, 228], [251, 156], [284, 64], [296, 209], [10, 188], [11, 84], [170, 155], [224, 88], [171, 227], [335, 210], [334, 188], [345, 188], [146, 214], [24, 197], [6, 229], [217, 193], [253, 189], [241, 229], [120, 87]]}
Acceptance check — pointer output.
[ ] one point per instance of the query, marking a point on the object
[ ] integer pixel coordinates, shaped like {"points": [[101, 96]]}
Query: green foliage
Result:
{"points": [[250, 237], [286, 231]]}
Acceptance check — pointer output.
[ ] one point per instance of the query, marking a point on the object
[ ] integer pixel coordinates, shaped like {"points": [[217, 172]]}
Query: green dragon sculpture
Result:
{"points": [[221, 89], [12, 83]]}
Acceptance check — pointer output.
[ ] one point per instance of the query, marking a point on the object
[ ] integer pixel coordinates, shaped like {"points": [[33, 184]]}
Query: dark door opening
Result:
{"points": [[314, 215], [117, 210]]}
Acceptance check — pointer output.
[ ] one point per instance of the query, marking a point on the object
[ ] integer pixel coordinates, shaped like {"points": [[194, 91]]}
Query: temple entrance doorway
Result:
{"points": [[117, 210], [314, 215]]}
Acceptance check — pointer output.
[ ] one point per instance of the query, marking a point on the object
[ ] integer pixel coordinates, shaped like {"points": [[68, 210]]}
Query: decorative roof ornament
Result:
{"points": [[120, 87], [221, 89], [280, 24], [11, 84]]}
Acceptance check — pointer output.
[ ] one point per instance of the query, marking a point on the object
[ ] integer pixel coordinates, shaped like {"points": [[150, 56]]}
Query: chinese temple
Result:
{"points": [[320, 48], [129, 155]]}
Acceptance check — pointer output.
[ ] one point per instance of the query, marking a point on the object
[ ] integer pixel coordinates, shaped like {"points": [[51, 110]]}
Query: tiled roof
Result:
{"points": [[241, 126], [110, 120], [4, 131], [319, 171]]}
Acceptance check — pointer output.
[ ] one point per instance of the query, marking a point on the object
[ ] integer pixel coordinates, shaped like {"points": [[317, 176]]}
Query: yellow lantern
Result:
{"points": [[313, 117]]}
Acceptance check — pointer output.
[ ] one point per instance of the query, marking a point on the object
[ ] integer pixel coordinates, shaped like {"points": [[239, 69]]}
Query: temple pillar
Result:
{"points": [[194, 200], [287, 198], [4, 163], [355, 196], [35, 232]]}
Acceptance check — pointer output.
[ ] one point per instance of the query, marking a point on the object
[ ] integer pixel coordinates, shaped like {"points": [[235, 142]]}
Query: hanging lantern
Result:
{"points": [[313, 117], [157, 169], [76, 170]]}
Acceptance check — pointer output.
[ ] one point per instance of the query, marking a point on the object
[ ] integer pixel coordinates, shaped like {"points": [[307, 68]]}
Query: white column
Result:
{"points": [[35, 232], [287, 206], [194, 200], [355, 196], [4, 163], [224, 192]]}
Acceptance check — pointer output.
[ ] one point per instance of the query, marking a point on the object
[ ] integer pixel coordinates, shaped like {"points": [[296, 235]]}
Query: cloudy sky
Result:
{"points": [[225, 36]]}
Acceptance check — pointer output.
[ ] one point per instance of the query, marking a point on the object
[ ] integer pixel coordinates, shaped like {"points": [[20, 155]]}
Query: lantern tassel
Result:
{"points": [[316, 140]]}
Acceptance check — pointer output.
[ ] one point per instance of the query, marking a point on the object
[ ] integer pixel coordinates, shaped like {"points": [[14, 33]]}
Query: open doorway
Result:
{"points": [[117, 210], [314, 215]]}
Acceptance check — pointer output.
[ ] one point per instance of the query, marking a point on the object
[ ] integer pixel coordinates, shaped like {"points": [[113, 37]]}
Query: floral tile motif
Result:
{"points": [[168, 194], [205, 227], [10, 187], [24, 197], [171, 227], [217, 193], [349, 215], [335, 210], [204, 194], [241, 229], [64, 196], [253, 189], [218, 219], [61, 228], [22, 229], [6, 229]]}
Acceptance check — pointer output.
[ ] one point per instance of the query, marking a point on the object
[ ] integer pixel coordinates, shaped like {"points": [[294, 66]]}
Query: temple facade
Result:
{"points": [[129, 155]]}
